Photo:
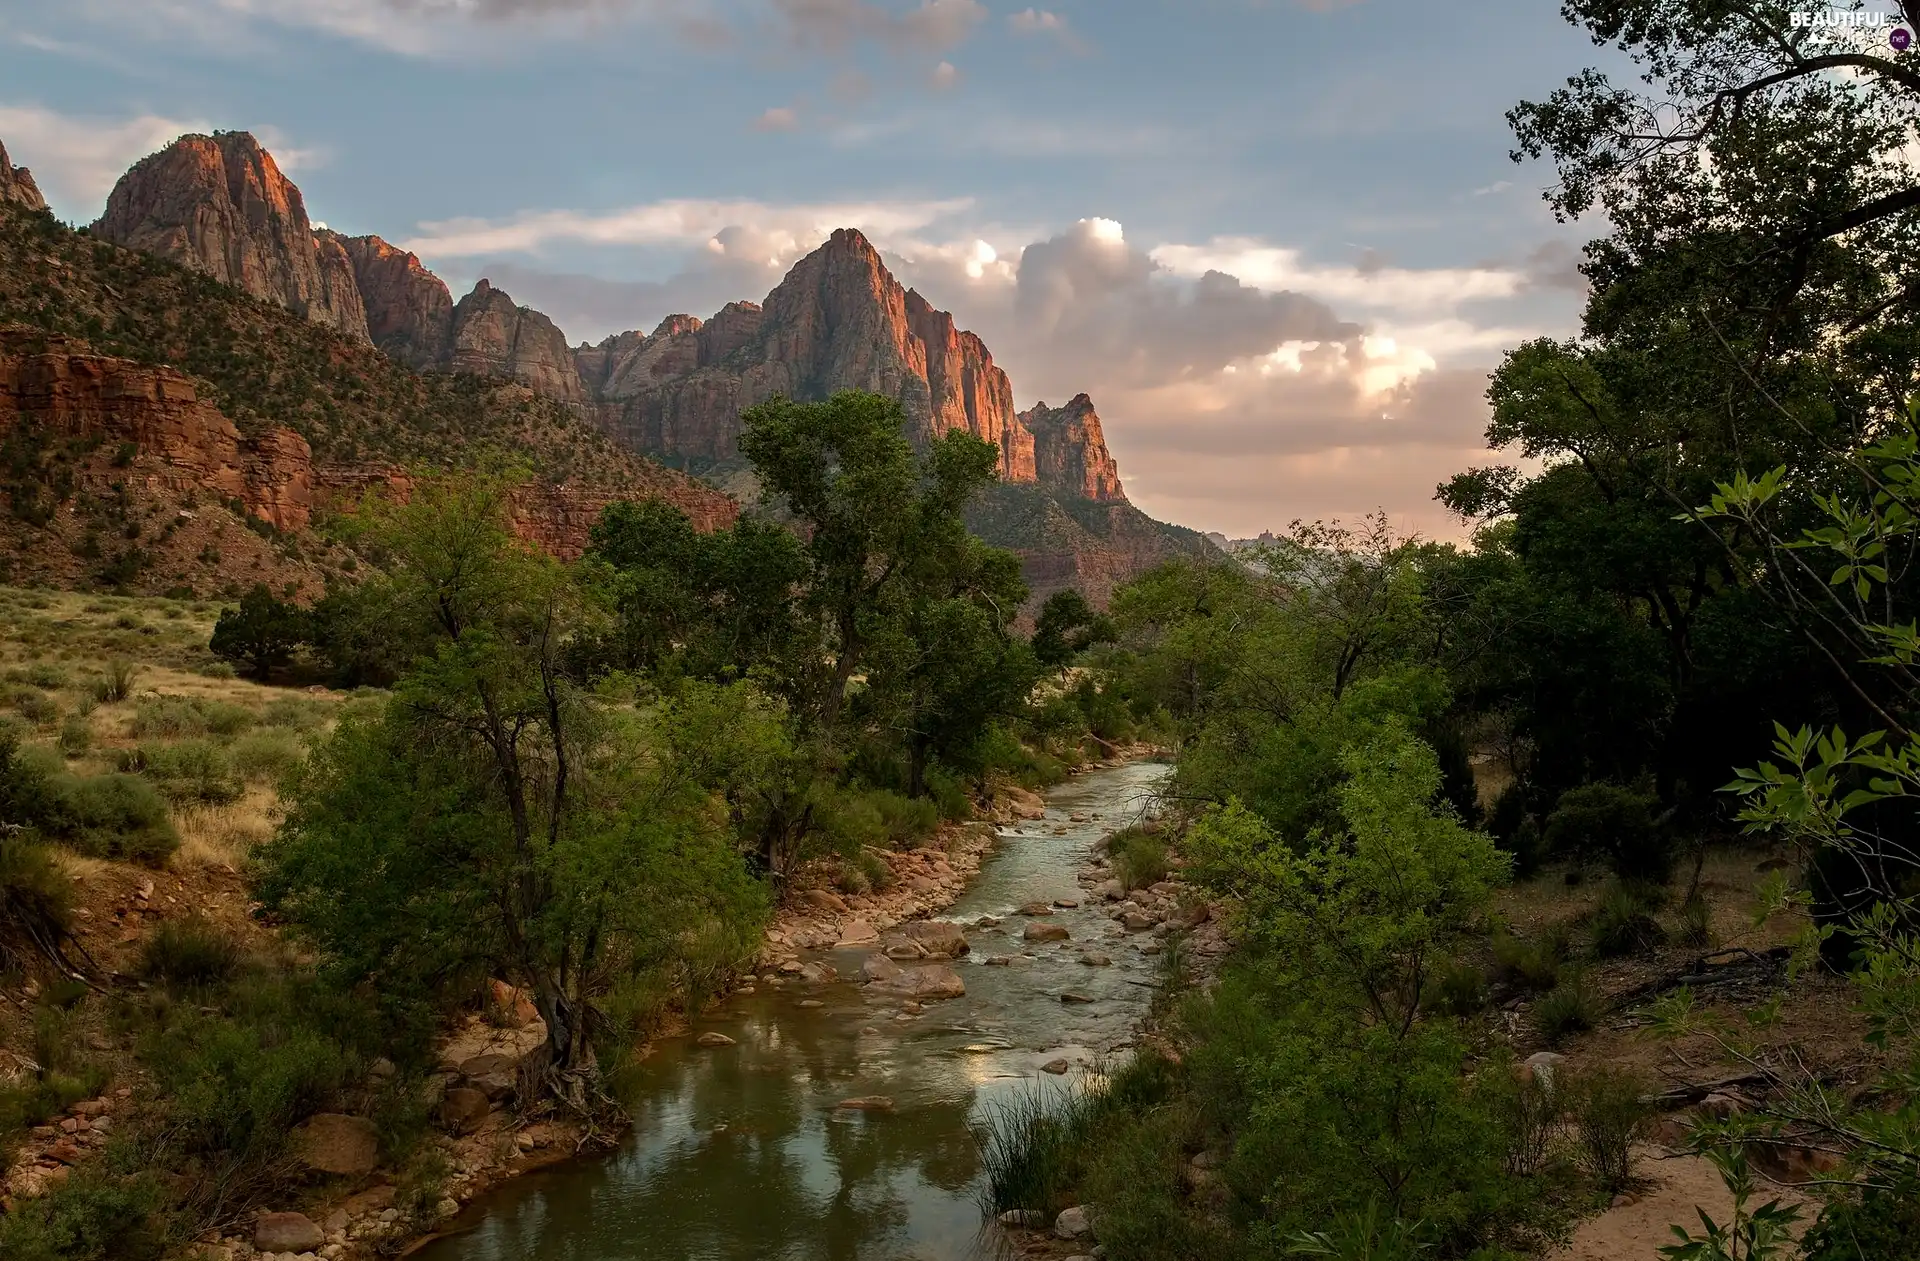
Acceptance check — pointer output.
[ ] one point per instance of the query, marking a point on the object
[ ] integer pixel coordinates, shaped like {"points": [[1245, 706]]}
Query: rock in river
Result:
{"points": [[1045, 932]]}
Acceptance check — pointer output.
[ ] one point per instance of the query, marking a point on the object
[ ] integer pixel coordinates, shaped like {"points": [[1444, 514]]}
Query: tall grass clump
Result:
{"points": [[1139, 858], [116, 684], [1031, 1145]]}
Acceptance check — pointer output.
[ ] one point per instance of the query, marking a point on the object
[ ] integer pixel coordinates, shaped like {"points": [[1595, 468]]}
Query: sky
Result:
{"points": [[1280, 243]]}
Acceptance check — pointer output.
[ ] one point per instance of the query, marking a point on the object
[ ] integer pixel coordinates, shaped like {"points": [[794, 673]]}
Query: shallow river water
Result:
{"points": [[740, 1154]]}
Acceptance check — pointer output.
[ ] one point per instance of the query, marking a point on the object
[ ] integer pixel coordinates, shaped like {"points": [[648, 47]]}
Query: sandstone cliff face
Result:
{"points": [[1070, 451], [409, 311], [839, 321], [16, 184], [58, 385], [220, 205], [494, 337]]}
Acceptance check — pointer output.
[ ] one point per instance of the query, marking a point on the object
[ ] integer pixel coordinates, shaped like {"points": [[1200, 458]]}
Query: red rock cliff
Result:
{"points": [[16, 184], [220, 205], [492, 336], [1070, 452], [409, 310]]}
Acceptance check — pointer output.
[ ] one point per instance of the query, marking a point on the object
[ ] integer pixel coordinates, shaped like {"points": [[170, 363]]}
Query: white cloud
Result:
{"points": [[1036, 21], [699, 224], [944, 76], [777, 118], [1371, 286], [76, 160]]}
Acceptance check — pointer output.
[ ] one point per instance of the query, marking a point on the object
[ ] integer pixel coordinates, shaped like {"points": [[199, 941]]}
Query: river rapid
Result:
{"points": [[741, 1153]]}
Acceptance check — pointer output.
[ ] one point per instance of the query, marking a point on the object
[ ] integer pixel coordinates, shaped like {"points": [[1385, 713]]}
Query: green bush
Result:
{"points": [[116, 684], [298, 714], [36, 904], [1570, 1008], [188, 952], [1623, 924], [1531, 966], [95, 1215], [109, 816], [1878, 1224], [266, 755], [189, 716], [47, 675], [1614, 825], [35, 706], [905, 819], [1139, 858], [188, 772], [1605, 1109], [1458, 990], [76, 735]]}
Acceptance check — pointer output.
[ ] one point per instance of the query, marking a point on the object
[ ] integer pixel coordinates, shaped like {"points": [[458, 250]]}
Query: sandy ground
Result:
{"points": [[1676, 1186]]}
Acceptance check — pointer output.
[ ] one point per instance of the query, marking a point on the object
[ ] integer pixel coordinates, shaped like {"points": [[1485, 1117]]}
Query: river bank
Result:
{"points": [[745, 1143]]}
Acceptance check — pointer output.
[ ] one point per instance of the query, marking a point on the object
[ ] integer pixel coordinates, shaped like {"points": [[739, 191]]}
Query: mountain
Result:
{"points": [[17, 186], [144, 404], [219, 204], [839, 320]]}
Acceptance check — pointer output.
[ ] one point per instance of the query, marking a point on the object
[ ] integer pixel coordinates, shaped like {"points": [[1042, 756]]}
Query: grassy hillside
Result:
{"points": [[265, 366]]}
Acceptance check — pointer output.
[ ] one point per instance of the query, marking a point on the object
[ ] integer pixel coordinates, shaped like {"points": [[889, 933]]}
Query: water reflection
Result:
{"points": [[741, 1153]]}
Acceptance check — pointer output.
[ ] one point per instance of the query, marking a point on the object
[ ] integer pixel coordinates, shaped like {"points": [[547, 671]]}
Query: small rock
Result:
{"points": [[1056, 1067], [1072, 1223], [1136, 921], [858, 933], [287, 1232], [822, 899], [1096, 961], [1036, 908], [1066, 904], [1045, 932], [1541, 1066], [986, 921], [1070, 996], [447, 1207], [1623, 1200], [867, 1103], [713, 1038], [999, 961], [810, 1002]]}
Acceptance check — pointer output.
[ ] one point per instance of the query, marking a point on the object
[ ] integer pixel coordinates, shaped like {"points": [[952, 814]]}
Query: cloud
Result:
{"points": [[944, 76], [76, 160], [796, 228], [1373, 286], [777, 118], [1036, 21], [835, 25]]}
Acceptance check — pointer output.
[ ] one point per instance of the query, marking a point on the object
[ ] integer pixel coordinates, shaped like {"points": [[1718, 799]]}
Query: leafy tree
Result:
{"points": [[261, 632], [499, 817], [1066, 627]]}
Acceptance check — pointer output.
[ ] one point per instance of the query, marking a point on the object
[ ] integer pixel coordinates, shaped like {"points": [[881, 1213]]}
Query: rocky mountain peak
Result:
{"points": [[220, 205], [409, 310], [1070, 450], [494, 336], [17, 186]]}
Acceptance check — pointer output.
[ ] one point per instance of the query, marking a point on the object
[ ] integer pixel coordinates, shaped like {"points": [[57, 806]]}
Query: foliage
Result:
{"points": [[188, 952], [1755, 1234], [1570, 1007], [260, 632], [1066, 627], [1606, 1110], [1139, 858], [1613, 824]]}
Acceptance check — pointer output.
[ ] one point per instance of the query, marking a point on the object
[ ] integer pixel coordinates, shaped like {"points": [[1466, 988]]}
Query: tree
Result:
{"points": [[262, 632], [1068, 626], [500, 817], [875, 517]]}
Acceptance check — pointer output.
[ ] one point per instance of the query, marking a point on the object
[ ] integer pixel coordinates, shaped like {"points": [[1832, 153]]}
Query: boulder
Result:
{"points": [[335, 1143], [513, 1006], [857, 933], [824, 900], [816, 973], [927, 984], [1036, 908], [1110, 891], [463, 1108], [1137, 921], [1045, 932], [287, 1232], [1072, 1223], [1056, 1067], [938, 938], [880, 968], [1096, 961], [1541, 1066]]}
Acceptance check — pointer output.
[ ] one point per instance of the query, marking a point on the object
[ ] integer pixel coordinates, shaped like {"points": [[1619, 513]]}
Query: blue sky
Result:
{"points": [[1061, 176]]}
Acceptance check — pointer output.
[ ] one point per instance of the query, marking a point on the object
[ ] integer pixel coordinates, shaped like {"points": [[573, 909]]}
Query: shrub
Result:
{"points": [[1139, 858], [1459, 990], [1030, 1147], [189, 716], [116, 684], [1531, 966], [1605, 1109], [1622, 924], [36, 905], [109, 816], [93, 1216], [76, 735], [1571, 1008], [1614, 825], [35, 706], [189, 772], [1878, 1224], [905, 819], [266, 755], [188, 952], [1696, 921], [298, 714], [46, 675], [219, 670]]}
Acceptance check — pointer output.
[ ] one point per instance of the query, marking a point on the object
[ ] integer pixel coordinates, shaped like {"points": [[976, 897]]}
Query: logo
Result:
{"points": [[1900, 37]]}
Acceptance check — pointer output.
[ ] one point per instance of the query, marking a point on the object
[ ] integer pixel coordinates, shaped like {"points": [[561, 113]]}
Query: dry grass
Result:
{"points": [[223, 836]]}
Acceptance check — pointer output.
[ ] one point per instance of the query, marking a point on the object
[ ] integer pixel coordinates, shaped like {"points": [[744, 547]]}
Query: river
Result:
{"points": [[740, 1153]]}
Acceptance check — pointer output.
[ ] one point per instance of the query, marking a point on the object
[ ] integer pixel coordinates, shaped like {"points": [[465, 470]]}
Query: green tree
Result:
{"points": [[261, 632], [1066, 627], [498, 816]]}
